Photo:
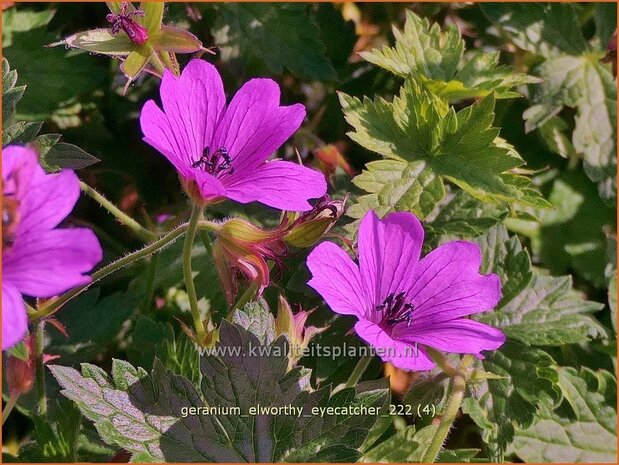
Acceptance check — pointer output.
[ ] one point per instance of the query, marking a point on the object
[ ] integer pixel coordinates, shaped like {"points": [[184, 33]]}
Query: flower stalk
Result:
{"points": [[196, 215], [357, 373], [247, 296], [150, 281], [52, 306], [140, 231], [455, 394], [442, 362], [39, 368]]}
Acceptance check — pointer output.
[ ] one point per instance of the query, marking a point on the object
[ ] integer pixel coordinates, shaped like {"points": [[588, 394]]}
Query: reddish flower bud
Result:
{"points": [[293, 326], [329, 158], [243, 249], [20, 373]]}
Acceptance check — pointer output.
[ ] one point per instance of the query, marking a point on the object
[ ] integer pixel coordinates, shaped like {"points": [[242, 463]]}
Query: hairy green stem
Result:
{"points": [[196, 215], [208, 246], [50, 307], [455, 394], [357, 373], [440, 359], [206, 240], [140, 231], [40, 368], [246, 297], [150, 281], [10, 405]]}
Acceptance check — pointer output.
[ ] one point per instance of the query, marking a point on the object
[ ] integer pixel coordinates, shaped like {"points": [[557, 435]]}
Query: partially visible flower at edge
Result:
{"points": [[404, 303], [38, 259], [222, 152]]}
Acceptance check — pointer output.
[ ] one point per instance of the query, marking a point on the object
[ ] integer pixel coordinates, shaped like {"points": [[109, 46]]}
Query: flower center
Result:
{"points": [[10, 220], [214, 163], [396, 310], [136, 32]]}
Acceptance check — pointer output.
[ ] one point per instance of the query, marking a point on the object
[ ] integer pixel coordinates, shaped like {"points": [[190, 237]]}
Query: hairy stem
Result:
{"points": [[208, 246], [40, 368], [150, 281], [140, 231], [440, 359], [357, 373], [196, 215], [246, 297], [455, 394], [52, 306]]}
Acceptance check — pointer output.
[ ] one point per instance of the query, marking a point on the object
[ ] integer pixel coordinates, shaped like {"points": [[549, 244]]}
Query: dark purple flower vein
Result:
{"points": [[267, 140], [345, 279], [170, 130], [208, 111], [239, 125], [184, 135], [431, 279], [425, 312], [403, 261], [271, 188]]}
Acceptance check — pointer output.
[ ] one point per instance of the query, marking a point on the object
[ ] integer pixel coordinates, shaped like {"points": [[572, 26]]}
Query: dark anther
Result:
{"points": [[216, 162], [396, 309], [325, 204]]}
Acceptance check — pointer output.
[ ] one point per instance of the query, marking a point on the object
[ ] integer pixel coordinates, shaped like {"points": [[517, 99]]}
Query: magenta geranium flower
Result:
{"points": [[222, 152], [38, 260], [404, 303]]}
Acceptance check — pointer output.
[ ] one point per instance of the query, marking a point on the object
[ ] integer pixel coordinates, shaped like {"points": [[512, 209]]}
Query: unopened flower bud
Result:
{"points": [[293, 326], [20, 373], [243, 249], [329, 158], [309, 227]]}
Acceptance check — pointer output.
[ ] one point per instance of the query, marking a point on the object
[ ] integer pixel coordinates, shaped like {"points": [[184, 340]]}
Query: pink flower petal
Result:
{"points": [[159, 135], [14, 318], [18, 165], [255, 125], [388, 252], [460, 336], [48, 201], [279, 184], [447, 285], [193, 104], [403, 355], [46, 263], [336, 278], [208, 185]]}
